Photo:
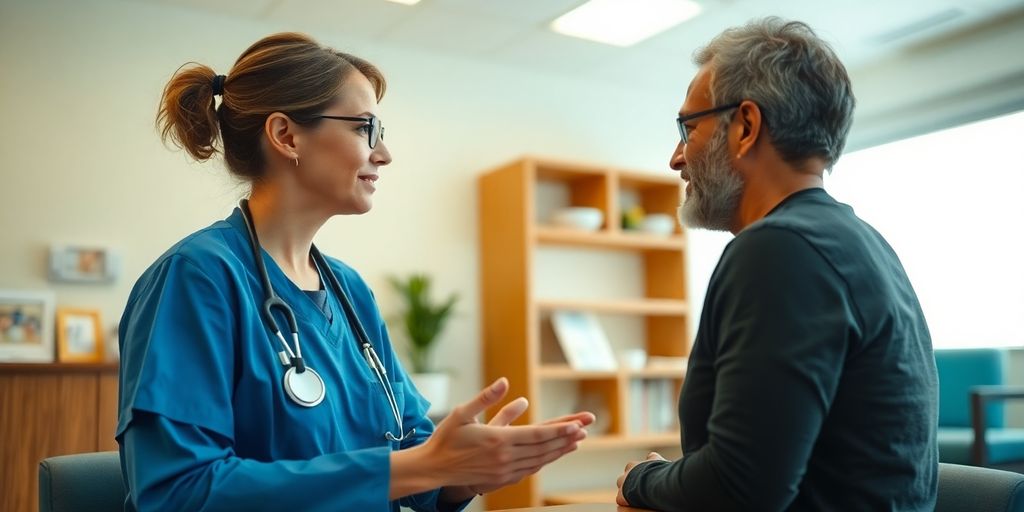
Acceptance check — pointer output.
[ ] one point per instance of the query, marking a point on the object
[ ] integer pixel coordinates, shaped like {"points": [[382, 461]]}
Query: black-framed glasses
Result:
{"points": [[684, 132], [373, 123]]}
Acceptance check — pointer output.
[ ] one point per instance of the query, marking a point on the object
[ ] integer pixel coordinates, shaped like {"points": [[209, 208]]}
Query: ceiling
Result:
{"points": [[515, 33]]}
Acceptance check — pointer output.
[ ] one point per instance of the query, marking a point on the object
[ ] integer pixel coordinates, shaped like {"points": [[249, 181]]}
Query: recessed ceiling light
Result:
{"points": [[624, 22], [406, 2]]}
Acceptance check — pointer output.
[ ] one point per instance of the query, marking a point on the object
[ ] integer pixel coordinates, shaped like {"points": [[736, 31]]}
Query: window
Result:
{"points": [[951, 203]]}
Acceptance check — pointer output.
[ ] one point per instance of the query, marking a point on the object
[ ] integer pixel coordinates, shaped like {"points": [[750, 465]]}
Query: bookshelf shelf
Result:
{"points": [[565, 372], [620, 442], [549, 235], [659, 307]]}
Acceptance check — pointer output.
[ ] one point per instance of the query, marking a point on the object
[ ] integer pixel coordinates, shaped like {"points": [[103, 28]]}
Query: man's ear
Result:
{"points": [[282, 136], [748, 126]]}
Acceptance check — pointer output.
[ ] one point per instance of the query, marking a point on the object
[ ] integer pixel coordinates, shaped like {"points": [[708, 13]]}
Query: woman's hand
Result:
{"points": [[485, 457], [513, 410]]}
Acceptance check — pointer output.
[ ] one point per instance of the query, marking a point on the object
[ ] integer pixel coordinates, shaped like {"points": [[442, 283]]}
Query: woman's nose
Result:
{"points": [[381, 155]]}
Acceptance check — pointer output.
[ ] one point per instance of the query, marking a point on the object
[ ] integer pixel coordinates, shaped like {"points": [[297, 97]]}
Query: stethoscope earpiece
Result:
{"points": [[302, 384]]}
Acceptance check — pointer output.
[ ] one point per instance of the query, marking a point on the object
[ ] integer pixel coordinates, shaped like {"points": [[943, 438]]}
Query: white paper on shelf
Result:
{"points": [[583, 341]]}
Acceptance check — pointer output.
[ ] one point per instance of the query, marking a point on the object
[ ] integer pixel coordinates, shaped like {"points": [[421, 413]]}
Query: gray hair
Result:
{"points": [[794, 77]]}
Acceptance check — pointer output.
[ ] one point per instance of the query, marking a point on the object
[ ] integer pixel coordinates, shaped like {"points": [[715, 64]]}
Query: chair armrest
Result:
{"points": [[980, 395], [998, 392]]}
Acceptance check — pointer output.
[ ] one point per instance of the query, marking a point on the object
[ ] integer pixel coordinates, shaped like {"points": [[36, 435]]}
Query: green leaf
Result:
{"points": [[422, 320]]}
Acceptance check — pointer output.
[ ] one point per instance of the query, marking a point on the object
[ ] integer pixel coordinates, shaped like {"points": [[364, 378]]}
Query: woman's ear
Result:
{"points": [[282, 136], [749, 127]]}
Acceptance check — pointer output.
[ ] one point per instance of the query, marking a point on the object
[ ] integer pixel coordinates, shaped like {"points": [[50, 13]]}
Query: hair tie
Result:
{"points": [[218, 85]]}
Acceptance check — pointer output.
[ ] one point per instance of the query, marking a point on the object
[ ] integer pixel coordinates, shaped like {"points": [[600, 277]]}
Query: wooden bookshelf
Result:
{"points": [[515, 313]]}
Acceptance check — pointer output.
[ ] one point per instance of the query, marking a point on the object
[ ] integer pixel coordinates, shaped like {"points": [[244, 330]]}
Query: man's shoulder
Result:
{"points": [[810, 220], [807, 212]]}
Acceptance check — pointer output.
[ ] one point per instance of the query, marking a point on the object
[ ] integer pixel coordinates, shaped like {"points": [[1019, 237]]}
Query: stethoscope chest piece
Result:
{"points": [[306, 388]]}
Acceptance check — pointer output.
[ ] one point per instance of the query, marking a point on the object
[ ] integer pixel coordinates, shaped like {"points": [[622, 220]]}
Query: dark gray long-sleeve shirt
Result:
{"points": [[811, 384]]}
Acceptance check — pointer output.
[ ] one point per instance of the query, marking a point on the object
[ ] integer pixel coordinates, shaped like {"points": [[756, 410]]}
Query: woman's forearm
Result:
{"points": [[412, 472]]}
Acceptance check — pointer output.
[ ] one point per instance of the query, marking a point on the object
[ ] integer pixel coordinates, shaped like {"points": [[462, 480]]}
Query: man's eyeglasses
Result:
{"points": [[376, 132], [684, 132]]}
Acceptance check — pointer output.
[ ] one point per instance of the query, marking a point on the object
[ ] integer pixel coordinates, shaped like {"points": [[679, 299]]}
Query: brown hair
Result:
{"points": [[288, 72]]}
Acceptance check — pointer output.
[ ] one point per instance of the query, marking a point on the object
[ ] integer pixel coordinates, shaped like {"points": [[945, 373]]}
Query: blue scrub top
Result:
{"points": [[204, 423]]}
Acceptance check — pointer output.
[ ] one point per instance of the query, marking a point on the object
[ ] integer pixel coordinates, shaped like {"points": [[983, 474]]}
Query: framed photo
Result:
{"points": [[78, 264], [583, 341], [79, 336], [26, 326]]}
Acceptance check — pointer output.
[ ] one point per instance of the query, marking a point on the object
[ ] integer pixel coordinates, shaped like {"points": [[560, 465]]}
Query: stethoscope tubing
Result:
{"points": [[296, 363]]}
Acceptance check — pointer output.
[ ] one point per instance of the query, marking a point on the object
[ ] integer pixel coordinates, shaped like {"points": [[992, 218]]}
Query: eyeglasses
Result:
{"points": [[376, 132], [684, 132]]}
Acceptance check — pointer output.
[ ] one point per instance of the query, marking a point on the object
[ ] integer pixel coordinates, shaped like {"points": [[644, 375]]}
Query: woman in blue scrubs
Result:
{"points": [[212, 417]]}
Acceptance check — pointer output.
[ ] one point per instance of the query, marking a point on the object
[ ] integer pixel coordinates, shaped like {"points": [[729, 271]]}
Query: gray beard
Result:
{"points": [[715, 188]]}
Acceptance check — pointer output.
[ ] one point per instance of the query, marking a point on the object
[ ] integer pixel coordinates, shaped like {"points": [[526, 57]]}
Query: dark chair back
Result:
{"points": [[977, 489], [85, 482]]}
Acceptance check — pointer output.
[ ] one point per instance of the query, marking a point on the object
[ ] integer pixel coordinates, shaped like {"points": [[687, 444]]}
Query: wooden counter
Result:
{"points": [[46, 410]]}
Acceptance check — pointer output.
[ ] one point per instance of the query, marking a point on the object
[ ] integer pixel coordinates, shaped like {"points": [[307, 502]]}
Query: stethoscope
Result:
{"points": [[302, 384]]}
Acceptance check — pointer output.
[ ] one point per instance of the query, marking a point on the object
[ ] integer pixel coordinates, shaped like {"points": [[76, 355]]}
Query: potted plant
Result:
{"points": [[422, 322]]}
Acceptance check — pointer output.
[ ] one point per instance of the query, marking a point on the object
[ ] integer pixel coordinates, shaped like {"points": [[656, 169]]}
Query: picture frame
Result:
{"points": [[79, 336], [83, 264], [583, 341], [26, 326]]}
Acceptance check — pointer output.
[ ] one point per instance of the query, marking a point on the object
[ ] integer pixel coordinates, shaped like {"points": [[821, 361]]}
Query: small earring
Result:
{"points": [[296, 160]]}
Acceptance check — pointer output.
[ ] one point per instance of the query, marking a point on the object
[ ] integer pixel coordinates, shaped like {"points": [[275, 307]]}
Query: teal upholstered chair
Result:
{"points": [[972, 389]]}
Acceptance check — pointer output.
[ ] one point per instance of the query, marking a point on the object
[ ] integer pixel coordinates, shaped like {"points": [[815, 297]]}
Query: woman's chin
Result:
{"points": [[361, 207]]}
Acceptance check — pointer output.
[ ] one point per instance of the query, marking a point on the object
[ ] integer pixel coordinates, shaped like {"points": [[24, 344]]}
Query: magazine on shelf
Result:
{"points": [[583, 341], [653, 406]]}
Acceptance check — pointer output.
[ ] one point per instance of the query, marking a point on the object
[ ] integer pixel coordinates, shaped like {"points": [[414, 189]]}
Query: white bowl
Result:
{"points": [[658, 224], [578, 217]]}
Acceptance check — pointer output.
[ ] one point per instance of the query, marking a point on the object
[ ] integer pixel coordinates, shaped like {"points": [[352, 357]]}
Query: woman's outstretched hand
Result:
{"points": [[483, 457]]}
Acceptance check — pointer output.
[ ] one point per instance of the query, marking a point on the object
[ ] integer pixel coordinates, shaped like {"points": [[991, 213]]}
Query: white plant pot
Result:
{"points": [[434, 387]]}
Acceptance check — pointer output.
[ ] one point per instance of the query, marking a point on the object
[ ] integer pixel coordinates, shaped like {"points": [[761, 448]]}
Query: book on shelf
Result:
{"points": [[583, 341], [654, 406]]}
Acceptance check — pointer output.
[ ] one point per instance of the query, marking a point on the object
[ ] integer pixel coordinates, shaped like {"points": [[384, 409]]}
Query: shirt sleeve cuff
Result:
{"points": [[633, 486]]}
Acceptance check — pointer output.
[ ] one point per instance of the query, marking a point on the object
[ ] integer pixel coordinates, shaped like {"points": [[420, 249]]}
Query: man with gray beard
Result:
{"points": [[811, 384]]}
